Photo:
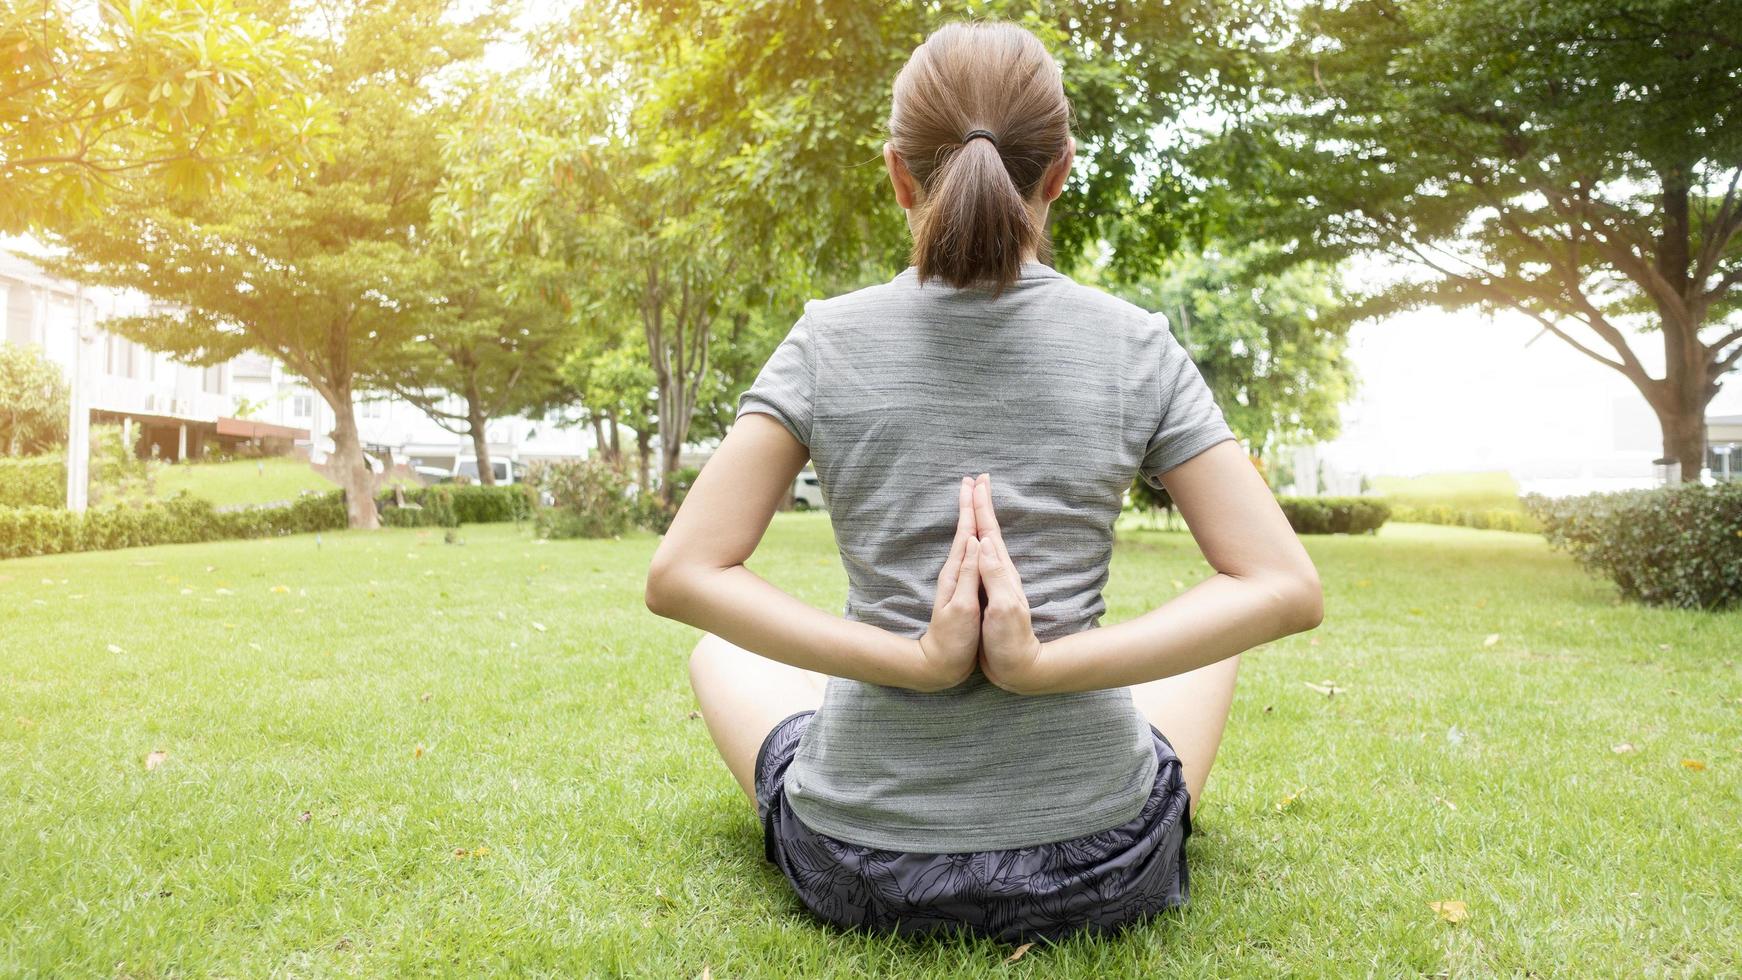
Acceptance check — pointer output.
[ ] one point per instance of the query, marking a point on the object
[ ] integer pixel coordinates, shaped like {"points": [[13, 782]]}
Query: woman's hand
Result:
{"points": [[949, 648], [1009, 650]]}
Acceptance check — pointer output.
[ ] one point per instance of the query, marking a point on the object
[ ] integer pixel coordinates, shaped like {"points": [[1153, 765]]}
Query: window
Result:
{"points": [[372, 409], [20, 314], [302, 406], [212, 380]]}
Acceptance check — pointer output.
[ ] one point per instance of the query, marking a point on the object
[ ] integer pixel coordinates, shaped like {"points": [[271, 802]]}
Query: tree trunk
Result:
{"points": [[350, 468], [480, 445], [1684, 438], [643, 452]]}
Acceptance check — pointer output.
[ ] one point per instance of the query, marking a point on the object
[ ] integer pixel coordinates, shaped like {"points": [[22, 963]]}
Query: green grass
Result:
{"points": [[244, 481], [1495, 490], [295, 829]]}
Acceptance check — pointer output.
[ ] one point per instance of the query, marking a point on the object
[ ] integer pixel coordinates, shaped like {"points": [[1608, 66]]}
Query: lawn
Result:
{"points": [[389, 754], [243, 481]]}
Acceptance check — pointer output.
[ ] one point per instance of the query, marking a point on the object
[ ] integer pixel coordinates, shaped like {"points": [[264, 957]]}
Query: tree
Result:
{"points": [[588, 168], [172, 97], [1577, 162], [617, 390], [33, 402], [306, 268], [1271, 345], [496, 349]]}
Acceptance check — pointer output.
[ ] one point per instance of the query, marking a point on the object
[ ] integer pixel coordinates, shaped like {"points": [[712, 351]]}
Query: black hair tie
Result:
{"points": [[979, 133]]}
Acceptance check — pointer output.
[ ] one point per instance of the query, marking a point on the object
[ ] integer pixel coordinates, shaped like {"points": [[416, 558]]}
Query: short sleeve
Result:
{"points": [[785, 387], [1191, 421]]}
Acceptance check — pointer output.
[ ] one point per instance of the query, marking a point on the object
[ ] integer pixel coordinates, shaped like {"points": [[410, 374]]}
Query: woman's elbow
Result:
{"points": [[1307, 601], [662, 590]]}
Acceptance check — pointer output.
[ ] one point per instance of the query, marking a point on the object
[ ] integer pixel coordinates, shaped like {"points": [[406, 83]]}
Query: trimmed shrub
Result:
{"points": [[1676, 546], [1334, 515], [33, 481], [650, 511], [183, 519], [1485, 519], [490, 505], [425, 507], [589, 499]]}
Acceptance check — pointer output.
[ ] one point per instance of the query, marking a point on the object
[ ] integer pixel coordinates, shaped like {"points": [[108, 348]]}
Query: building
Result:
{"points": [[1724, 447], [183, 412]]}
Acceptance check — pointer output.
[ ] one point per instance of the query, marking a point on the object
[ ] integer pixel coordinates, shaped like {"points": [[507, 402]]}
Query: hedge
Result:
{"points": [[26, 531], [184, 519], [33, 481], [1675, 546], [1484, 519], [1334, 515]]}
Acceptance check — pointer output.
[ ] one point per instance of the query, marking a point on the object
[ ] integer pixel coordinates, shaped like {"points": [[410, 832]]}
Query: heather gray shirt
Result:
{"points": [[1064, 394]]}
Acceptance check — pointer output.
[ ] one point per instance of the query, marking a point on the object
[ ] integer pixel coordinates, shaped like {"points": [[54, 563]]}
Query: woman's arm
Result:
{"points": [[1265, 587], [698, 574]]}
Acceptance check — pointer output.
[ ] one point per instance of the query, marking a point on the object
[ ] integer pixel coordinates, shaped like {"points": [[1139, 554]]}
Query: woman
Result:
{"points": [[965, 748]]}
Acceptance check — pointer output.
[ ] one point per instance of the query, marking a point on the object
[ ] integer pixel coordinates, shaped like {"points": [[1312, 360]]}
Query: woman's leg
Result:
{"points": [[743, 696], [1191, 709]]}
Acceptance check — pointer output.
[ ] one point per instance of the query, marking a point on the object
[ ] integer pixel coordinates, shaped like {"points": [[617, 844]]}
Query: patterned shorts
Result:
{"points": [[1101, 882]]}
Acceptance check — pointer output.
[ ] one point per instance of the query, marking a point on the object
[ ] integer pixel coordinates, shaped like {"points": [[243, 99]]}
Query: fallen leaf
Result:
{"points": [[480, 851], [694, 715], [1450, 910], [1622, 749], [1491, 639], [460, 852], [1287, 803], [538, 626], [1328, 688], [187, 592], [1020, 951], [1448, 804], [115, 649], [1694, 764], [304, 817], [281, 588], [224, 592], [155, 758], [707, 972], [417, 753], [1363, 583], [1178, 585], [1482, 603], [1269, 708], [425, 696]]}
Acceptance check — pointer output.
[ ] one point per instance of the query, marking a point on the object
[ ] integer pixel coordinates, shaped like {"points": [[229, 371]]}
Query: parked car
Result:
{"points": [[506, 471], [807, 492]]}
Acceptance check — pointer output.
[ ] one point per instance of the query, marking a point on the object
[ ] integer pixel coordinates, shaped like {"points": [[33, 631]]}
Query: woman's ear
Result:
{"points": [[906, 190], [1059, 172]]}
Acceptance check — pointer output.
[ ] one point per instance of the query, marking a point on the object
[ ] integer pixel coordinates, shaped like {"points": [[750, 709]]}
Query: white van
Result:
{"points": [[807, 492]]}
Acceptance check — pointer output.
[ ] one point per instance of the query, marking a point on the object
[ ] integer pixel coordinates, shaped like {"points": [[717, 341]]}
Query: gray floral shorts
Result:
{"points": [[1101, 882]]}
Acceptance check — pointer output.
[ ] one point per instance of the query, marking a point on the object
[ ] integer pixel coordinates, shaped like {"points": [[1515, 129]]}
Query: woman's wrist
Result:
{"points": [[1028, 676]]}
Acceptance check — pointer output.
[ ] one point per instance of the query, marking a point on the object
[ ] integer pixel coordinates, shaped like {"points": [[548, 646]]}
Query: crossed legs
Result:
{"points": [[743, 696]]}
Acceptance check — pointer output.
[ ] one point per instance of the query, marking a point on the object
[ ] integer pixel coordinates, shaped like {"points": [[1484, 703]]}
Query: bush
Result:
{"points": [[589, 499], [424, 507], [1676, 546], [33, 481], [650, 511], [1487, 519], [182, 519], [490, 505], [1334, 515]]}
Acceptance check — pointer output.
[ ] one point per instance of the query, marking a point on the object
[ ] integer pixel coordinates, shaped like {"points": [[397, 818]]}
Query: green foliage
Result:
{"points": [[118, 475], [1576, 161], [428, 507], [1491, 519], [1334, 515], [26, 531], [1674, 546], [1491, 490], [330, 259], [33, 402], [169, 97], [589, 499], [1272, 345], [33, 481]]}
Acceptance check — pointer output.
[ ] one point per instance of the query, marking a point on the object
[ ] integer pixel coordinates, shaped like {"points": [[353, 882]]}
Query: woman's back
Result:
{"points": [[1064, 394]]}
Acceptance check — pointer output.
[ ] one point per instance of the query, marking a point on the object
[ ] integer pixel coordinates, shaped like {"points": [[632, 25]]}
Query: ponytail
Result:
{"points": [[976, 218], [975, 226]]}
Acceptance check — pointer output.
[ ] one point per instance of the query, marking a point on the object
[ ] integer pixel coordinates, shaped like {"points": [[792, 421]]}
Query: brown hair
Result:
{"points": [[974, 222]]}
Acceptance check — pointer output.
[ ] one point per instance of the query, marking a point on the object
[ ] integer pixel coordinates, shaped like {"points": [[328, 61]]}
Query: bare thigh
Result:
{"points": [[743, 696], [1191, 709]]}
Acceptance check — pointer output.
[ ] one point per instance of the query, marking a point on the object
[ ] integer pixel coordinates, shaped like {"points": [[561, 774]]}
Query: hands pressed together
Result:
{"points": [[980, 616]]}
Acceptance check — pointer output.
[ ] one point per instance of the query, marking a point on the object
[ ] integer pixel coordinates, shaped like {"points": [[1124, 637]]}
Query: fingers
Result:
{"points": [[947, 576], [1003, 584], [968, 583]]}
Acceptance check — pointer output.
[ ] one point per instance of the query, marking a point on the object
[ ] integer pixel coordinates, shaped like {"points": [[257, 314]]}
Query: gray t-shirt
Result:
{"points": [[1064, 394]]}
